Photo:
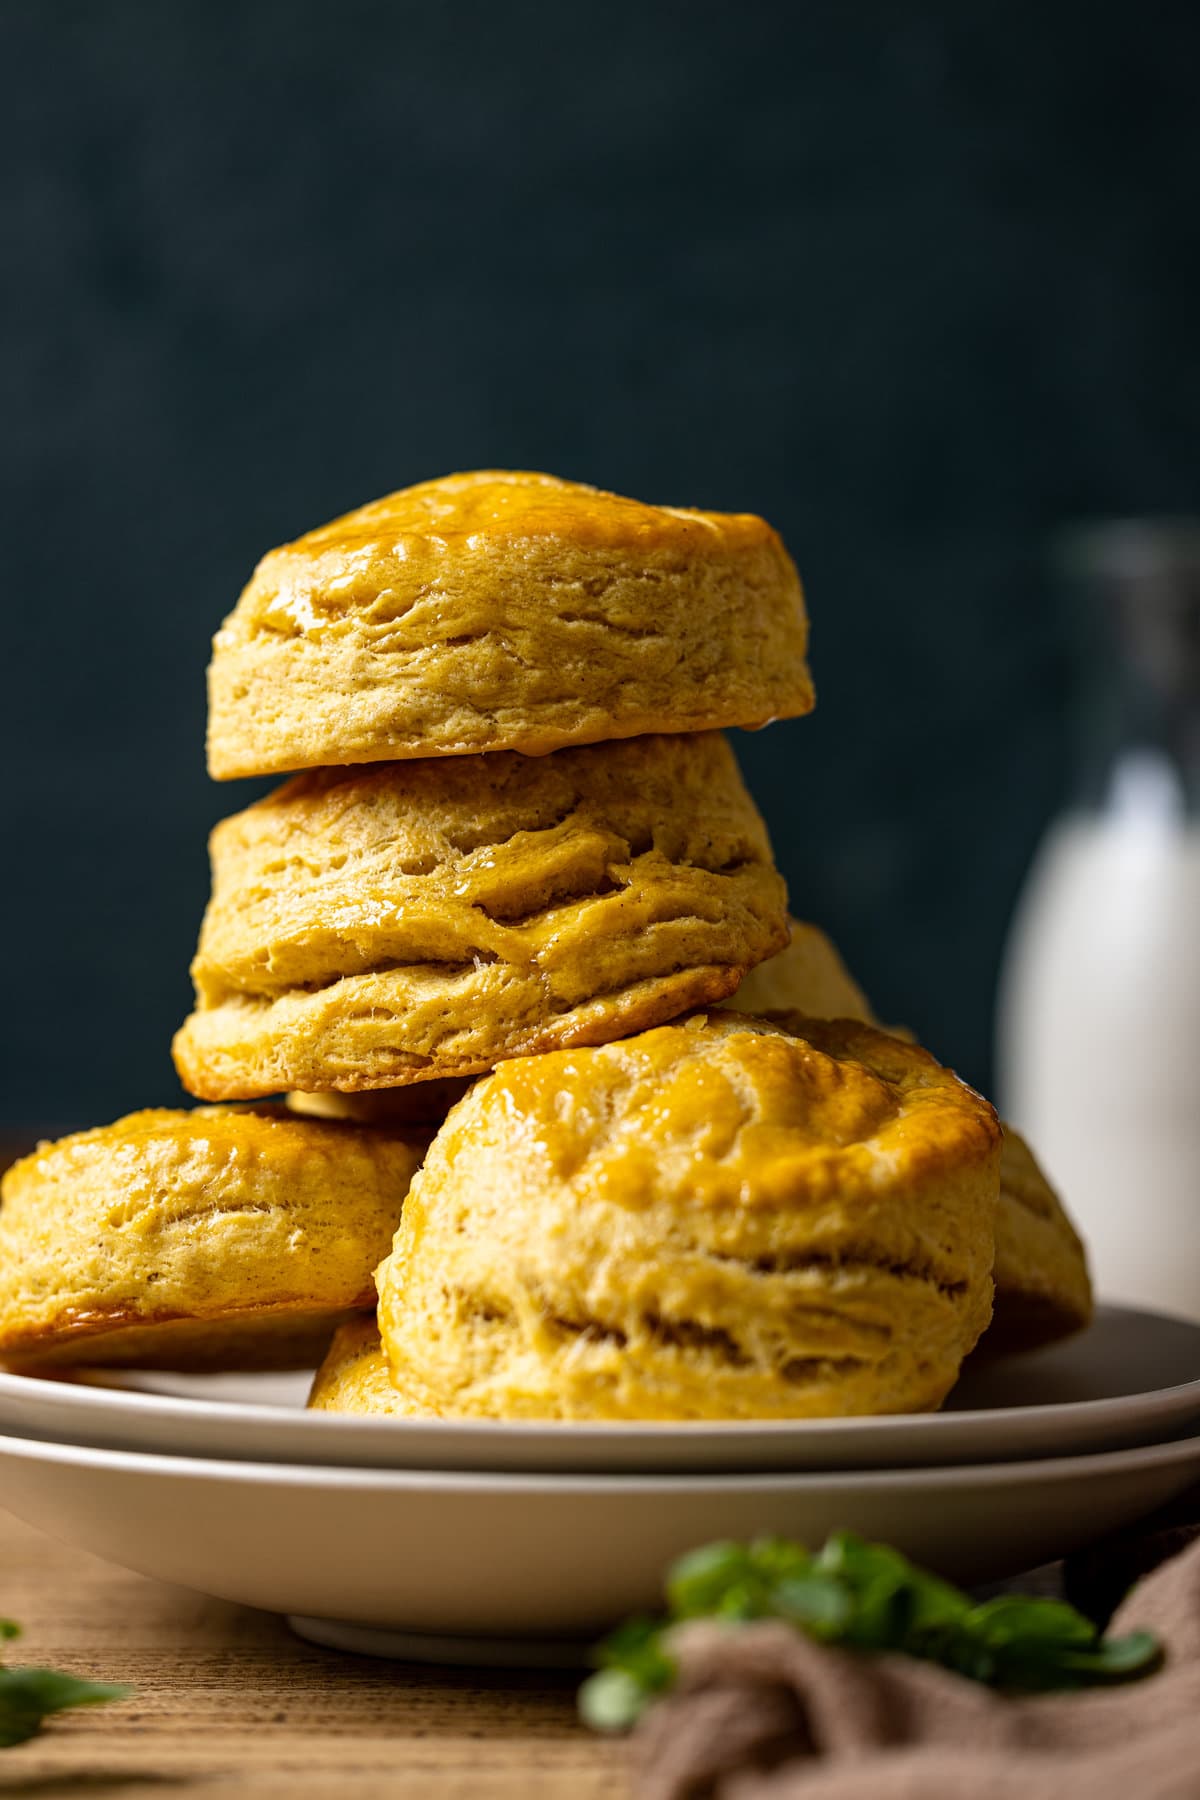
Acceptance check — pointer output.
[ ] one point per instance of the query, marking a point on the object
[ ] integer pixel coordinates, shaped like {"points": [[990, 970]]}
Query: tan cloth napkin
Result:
{"points": [[762, 1713]]}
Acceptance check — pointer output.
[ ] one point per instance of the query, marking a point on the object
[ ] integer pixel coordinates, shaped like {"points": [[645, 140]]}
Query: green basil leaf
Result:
{"points": [[868, 1597], [895, 1596], [817, 1603], [628, 1640], [777, 1559], [636, 1650], [698, 1582], [50, 1691], [612, 1700], [1118, 1658], [1014, 1619], [17, 1728], [742, 1600], [27, 1696]]}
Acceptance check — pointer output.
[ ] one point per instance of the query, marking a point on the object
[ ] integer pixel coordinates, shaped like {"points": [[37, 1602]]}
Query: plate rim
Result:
{"points": [[1164, 1453], [56, 1392]]}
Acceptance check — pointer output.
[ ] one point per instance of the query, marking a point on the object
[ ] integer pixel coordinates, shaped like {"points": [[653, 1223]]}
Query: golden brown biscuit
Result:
{"points": [[1043, 1290], [501, 610], [354, 1376], [720, 1218], [219, 1238], [806, 976], [371, 928]]}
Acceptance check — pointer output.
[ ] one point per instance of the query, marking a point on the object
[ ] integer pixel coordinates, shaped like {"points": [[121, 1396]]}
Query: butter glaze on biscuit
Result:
{"points": [[373, 928], [504, 610], [219, 1238], [1043, 1289], [720, 1218]]}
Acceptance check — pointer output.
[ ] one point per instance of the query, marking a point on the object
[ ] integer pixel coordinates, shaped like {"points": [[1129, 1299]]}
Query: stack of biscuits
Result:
{"points": [[524, 1096]]}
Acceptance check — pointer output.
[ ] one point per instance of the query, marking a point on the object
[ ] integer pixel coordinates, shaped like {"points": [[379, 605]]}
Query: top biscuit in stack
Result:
{"points": [[553, 845], [502, 610]]}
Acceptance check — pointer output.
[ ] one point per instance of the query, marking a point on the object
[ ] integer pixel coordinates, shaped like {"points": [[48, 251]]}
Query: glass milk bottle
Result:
{"points": [[1099, 1017]]}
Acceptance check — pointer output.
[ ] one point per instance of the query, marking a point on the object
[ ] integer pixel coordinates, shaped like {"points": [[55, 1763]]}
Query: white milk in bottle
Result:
{"points": [[1099, 1018]]}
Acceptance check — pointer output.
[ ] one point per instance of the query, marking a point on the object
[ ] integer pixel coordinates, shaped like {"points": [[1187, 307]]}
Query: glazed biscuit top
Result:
{"points": [[726, 1112], [254, 1136], [147, 1161], [195, 1215], [383, 556], [501, 610], [721, 1217]]}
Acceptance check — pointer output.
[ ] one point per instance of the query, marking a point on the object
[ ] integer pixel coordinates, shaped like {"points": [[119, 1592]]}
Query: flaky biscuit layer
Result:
{"points": [[219, 1238], [721, 1218], [503, 610], [372, 928], [1043, 1289]]}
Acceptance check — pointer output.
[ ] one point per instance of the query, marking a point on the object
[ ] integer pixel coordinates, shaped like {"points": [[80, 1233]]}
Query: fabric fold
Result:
{"points": [[761, 1712]]}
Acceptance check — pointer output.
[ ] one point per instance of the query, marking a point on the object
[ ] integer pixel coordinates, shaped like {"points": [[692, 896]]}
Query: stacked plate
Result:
{"points": [[516, 1543]]}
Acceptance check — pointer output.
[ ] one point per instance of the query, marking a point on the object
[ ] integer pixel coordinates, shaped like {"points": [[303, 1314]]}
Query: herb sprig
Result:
{"points": [[863, 1597], [28, 1696]]}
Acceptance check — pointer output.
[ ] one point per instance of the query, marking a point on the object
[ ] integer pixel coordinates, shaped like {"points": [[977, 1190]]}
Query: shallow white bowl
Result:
{"points": [[1134, 1377], [447, 1556]]}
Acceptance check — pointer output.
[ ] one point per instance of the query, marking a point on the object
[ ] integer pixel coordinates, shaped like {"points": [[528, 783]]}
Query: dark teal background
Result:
{"points": [[919, 282]]}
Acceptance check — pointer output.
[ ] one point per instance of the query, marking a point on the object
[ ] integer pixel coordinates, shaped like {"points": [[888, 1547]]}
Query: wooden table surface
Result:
{"points": [[228, 1701]]}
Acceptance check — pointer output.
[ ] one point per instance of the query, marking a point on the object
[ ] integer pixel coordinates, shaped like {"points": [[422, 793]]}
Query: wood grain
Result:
{"points": [[228, 1701]]}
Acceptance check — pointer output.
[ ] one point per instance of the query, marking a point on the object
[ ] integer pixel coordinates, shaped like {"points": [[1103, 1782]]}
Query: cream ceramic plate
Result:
{"points": [[1133, 1378], [441, 1558]]}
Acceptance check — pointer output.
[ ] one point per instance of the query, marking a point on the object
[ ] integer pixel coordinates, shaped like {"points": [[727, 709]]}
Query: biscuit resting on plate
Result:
{"points": [[717, 1219], [500, 610], [219, 1238], [1043, 1289], [354, 1376], [375, 927]]}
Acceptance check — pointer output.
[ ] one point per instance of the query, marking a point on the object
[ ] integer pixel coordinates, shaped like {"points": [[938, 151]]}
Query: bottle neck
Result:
{"points": [[1136, 593], [1134, 752]]}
